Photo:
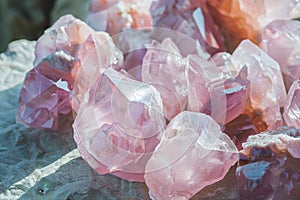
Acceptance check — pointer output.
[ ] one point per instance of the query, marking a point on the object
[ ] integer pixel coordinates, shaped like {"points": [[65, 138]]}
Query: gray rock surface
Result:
{"points": [[23, 19], [41, 164]]}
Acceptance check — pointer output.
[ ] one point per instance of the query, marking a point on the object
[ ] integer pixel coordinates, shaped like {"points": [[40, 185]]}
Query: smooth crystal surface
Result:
{"points": [[193, 153], [281, 40], [118, 124], [269, 165], [292, 106]]}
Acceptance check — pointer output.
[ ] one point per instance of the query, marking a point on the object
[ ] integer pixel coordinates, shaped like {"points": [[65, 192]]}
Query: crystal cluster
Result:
{"points": [[169, 106], [66, 62], [269, 165]]}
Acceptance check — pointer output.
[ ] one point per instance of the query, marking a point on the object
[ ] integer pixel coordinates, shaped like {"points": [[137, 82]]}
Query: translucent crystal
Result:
{"points": [[193, 153], [281, 40], [118, 124]]}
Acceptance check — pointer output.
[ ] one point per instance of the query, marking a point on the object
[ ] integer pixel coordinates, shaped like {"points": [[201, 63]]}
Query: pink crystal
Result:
{"points": [[93, 62], [164, 68], [205, 93], [73, 55], [46, 91], [292, 106], [281, 40], [194, 21], [116, 16], [117, 125], [269, 165], [193, 153], [267, 91], [65, 34], [236, 85], [266, 11]]}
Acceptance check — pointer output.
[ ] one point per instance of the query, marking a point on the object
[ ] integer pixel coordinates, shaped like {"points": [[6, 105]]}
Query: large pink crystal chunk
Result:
{"points": [[267, 92], [46, 91], [164, 68], [292, 106], [118, 124], [114, 16], [281, 40], [193, 153]]}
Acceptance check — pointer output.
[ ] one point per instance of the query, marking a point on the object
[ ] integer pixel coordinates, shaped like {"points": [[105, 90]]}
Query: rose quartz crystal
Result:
{"points": [[292, 106], [205, 93], [164, 68], [114, 16], [281, 40], [236, 85], [118, 124], [46, 91], [69, 39], [267, 92], [269, 165], [191, 19], [67, 33], [193, 153]]}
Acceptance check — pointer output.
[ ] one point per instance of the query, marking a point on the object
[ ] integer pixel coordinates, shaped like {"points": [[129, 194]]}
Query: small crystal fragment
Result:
{"points": [[193, 153], [292, 106], [269, 165]]}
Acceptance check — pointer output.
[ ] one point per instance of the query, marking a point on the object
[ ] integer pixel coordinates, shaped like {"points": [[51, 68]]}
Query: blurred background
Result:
{"points": [[27, 19]]}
